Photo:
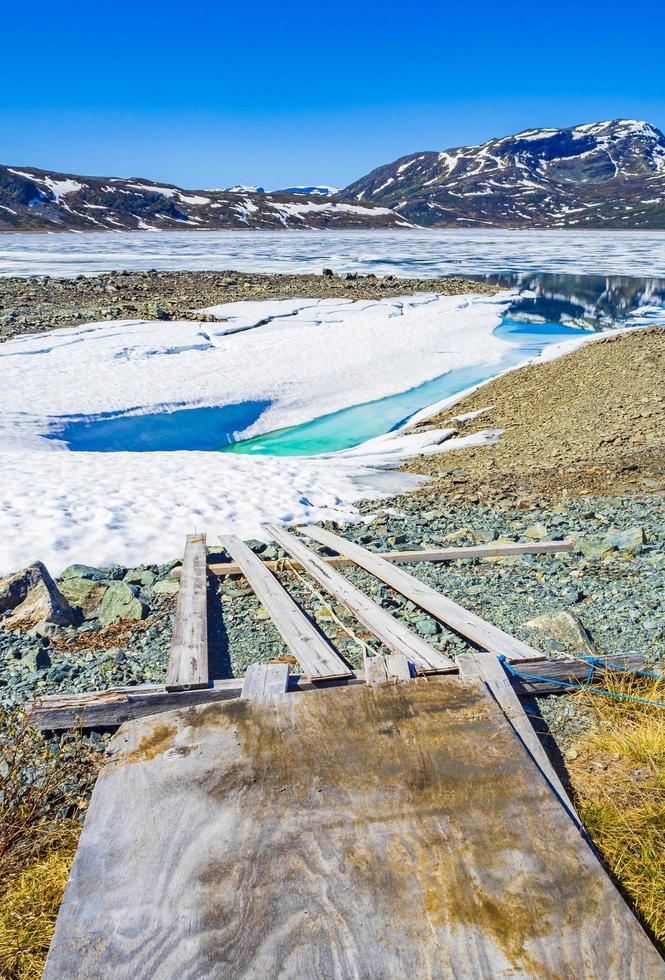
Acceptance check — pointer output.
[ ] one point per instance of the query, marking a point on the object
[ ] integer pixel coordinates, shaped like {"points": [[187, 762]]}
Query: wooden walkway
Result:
{"points": [[401, 821], [390, 829]]}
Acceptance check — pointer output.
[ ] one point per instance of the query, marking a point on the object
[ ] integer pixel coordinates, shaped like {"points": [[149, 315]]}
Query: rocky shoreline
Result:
{"points": [[41, 303]]}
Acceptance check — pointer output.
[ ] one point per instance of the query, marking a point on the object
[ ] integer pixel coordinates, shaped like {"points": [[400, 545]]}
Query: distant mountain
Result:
{"points": [[600, 175], [321, 190], [42, 200]]}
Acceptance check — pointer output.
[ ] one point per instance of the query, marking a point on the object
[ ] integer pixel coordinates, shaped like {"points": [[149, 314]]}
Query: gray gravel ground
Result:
{"points": [[616, 591]]}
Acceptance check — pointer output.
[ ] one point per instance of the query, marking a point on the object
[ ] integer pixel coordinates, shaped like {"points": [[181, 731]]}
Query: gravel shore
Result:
{"points": [[35, 305]]}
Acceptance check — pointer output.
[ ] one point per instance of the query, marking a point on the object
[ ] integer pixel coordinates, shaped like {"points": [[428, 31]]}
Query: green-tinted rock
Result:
{"points": [[83, 571], [85, 593], [119, 602], [536, 532], [167, 586], [630, 539], [427, 627], [566, 630]]}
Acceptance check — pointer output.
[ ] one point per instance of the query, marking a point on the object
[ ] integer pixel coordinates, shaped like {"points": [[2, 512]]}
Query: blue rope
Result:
{"points": [[598, 662], [595, 661]]}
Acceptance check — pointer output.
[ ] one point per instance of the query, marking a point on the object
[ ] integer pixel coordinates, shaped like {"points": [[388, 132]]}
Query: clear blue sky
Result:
{"points": [[207, 95]]}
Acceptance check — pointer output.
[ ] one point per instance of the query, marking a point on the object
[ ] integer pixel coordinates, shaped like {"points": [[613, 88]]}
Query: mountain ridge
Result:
{"points": [[595, 175], [32, 199], [602, 175]]}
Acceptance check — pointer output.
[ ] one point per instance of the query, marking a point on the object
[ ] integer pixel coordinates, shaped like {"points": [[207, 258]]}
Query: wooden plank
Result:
{"points": [[265, 680], [389, 630], [312, 651], [487, 668], [382, 670], [464, 622], [108, 709], [188, 663], [410, 557], [570, 671], [369, 832]]}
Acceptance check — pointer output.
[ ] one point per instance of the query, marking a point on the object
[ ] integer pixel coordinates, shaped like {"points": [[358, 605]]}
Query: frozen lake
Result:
{"points": [[404, 253]]}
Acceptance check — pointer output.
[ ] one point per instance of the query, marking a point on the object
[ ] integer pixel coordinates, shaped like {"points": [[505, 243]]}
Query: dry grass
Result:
{"points": [[619, 782], [45, 786], [30, 902]]}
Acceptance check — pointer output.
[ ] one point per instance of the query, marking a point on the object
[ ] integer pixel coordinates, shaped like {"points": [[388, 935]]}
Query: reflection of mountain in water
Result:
{"points": [[594, 300]]}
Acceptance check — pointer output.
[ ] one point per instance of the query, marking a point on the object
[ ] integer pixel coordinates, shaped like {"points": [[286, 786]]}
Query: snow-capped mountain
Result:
{"points": [[320, 190], [41, 200], [599, 175]]}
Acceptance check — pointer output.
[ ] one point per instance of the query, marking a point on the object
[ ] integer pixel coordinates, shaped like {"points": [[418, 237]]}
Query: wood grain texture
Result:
{"points": [[486, 668], [236, 840], [188, 662], [312, 651], [387, 670], [389, 630], [410, 557], [265, 680], [464, 622], [101, 709]]}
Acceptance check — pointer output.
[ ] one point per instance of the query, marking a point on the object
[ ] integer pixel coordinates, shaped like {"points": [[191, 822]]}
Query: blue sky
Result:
{"points": [[207, 95]]}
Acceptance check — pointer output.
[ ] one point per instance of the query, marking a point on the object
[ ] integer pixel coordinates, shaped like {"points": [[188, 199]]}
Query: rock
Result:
{"points": [[630, 539], [50, 631], [82, 571], [86, 593], [596, 549], [167, 586], [327, 272], [257, 546], [427, 627], [567, 630], [36, 660], [536, 532], [120, 602], [32, 597]]}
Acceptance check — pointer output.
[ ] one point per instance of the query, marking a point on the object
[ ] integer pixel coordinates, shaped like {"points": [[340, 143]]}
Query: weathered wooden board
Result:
{"points": [[188, 663], [312, 651], [264, 680], [99, 709], [411, 557], [386, 670], [485, 667], [389, 630], [464, 622], [236, 840]]}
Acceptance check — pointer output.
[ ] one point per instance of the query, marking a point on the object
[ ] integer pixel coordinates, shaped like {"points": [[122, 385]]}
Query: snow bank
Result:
{"points": [[305, 357]]}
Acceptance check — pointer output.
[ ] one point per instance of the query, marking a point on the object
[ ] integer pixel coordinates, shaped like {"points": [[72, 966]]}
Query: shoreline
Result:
{"points": [[40, 304]]}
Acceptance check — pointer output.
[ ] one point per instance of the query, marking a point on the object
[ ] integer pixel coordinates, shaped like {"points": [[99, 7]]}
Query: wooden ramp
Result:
{"points": [[369, 831]]}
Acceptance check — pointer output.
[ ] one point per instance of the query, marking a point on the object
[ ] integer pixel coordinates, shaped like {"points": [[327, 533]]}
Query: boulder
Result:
{"points": [[86, 593], [82, 571], [140, 576], [167, 586], [566, 630], [630, 539], [120, 602], [536, 532], [30, 596]]}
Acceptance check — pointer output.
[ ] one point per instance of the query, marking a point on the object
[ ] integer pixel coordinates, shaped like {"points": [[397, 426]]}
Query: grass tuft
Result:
{"points": [[618, 778], [30, 902], [45, 786]]}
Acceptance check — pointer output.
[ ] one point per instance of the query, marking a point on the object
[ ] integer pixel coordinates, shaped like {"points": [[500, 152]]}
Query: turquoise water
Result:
{"points": [[351, 426]]}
